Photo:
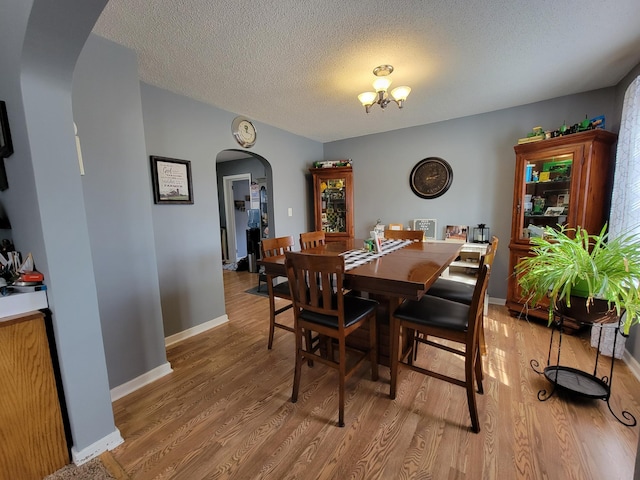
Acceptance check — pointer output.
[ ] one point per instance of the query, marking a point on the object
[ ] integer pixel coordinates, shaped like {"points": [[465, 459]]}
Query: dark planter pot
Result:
{"points": [[598, 311]]}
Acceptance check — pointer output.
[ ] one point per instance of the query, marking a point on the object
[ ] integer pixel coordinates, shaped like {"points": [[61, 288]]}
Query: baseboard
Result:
{"points": [[140, 381], [497, 301], [109, 442], [159, 372], [203, 327], [632, 363]]}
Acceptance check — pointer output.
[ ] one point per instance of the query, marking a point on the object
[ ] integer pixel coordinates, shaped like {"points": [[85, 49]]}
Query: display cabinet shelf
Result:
{"points": [[333, 201]]}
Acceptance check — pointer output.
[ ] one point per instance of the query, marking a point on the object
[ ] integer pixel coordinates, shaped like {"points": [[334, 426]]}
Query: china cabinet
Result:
{"points": [[560, 181], [333, 201]]}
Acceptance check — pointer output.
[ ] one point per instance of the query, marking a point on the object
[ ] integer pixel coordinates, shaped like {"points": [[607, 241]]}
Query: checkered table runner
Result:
{"points": [[355, 258]]}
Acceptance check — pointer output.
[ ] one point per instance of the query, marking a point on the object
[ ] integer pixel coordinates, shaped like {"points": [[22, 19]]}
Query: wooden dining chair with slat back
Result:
{"points": [[415, 235], [271, 247], [311, 239], [463, 292], [321, 306], [457, 323]]}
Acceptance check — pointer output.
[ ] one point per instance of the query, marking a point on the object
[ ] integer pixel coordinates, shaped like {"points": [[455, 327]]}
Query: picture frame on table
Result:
{"points": [[6, 145], [456, 233], [171, 178]]}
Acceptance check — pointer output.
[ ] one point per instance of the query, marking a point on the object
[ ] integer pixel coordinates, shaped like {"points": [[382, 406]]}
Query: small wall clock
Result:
{"points": [[431, 177], [244, 132]]}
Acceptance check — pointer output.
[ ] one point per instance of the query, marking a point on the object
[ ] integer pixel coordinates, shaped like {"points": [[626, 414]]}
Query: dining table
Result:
{"points": [[401, 270]]}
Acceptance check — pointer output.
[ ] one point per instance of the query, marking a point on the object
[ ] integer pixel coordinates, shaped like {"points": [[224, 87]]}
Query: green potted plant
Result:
{"points": [[570, 265]]}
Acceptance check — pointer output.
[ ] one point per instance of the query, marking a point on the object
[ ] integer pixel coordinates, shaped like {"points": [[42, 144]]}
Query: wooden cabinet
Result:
{"points": [[333, 201], [31, 428], [565, 180]]}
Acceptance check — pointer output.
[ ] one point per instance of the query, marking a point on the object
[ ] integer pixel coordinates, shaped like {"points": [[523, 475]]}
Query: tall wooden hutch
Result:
{"points": [[333, 201], [565, 180]]}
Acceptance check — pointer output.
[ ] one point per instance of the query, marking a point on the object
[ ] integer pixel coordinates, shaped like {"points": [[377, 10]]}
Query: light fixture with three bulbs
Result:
{"points": [[381, 85]]}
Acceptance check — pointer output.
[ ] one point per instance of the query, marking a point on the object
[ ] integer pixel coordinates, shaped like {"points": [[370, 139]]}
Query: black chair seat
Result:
{"points": [[435, 312], [355, 309], [451, 290]]}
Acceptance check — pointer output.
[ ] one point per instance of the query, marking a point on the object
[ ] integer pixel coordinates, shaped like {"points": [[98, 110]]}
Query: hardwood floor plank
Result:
{"points": [[225, 412]]}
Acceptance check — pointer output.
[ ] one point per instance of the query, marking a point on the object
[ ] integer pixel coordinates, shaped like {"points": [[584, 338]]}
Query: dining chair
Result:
{"points": [[270, 247], [438, 318], [320, 305], [415, 235], [311, 239], [462, 292]]}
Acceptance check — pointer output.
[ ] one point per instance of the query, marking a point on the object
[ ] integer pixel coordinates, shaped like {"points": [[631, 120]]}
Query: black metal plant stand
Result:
{"points": [[577, 381]]}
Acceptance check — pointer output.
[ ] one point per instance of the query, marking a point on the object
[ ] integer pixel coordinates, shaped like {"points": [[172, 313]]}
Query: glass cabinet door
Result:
{"points": [[333, 205], [546, 196]]}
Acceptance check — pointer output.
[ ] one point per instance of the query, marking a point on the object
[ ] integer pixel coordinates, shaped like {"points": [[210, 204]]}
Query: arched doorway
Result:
{"points": [[236, 171]]}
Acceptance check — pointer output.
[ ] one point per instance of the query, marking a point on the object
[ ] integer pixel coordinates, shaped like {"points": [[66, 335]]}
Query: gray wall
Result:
{"points": [[44, 202], [117, 196], [187, 237], [480, 151]]}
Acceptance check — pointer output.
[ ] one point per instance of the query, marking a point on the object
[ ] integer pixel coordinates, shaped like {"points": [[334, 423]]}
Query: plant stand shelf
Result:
{"points": [[576, 381]]}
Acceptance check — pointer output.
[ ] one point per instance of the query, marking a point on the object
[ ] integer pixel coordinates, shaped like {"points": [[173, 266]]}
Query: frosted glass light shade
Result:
{"points": [[381, 84], [400, 93], [367, 98]]}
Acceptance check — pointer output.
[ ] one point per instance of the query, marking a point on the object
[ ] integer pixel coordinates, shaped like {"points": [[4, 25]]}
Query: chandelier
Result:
{"points": [[381, 85]]}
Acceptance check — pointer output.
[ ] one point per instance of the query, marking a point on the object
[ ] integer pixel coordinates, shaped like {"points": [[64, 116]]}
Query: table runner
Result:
{"points": [[357, 257]]}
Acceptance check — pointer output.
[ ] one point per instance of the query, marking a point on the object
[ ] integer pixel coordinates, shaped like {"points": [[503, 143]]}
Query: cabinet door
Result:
{"points": [[545, 192], [333, 190]]}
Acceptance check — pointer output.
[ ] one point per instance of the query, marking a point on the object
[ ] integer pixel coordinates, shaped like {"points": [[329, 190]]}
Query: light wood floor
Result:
{"points": [[225, 412]]}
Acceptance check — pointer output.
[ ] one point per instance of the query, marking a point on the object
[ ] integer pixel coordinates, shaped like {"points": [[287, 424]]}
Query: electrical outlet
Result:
{"points": [[290, 212]]}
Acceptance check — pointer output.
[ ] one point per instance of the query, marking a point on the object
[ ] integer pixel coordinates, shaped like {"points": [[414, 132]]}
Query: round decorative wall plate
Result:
{"points": [[244, 132], [431, 177]]}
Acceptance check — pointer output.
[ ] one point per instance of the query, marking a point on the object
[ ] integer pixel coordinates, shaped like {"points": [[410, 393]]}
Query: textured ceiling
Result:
{"points": [[300, 64]]}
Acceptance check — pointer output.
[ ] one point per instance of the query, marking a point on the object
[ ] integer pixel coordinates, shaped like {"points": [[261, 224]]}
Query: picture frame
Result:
{"points": [[456, 233], [427, 225], [6, 145], [171, 178]]}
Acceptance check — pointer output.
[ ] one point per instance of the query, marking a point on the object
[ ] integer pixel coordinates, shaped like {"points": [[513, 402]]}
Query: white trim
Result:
{"points": [[164, 369], [632, 363], [203, 327], [140, 381], [109, 442], [497, 301]]}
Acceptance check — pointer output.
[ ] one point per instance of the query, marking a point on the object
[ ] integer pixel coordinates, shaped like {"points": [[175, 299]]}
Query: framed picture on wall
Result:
{"points": [[6, 147], [171, 181]]}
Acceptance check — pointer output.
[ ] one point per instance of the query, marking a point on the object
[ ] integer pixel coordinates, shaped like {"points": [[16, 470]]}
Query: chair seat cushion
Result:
{"points": [[452, 290], [355, 309], [435, 312]]}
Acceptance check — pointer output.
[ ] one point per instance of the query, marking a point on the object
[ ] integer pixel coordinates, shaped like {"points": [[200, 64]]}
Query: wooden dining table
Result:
{"points": [[405, 273]]}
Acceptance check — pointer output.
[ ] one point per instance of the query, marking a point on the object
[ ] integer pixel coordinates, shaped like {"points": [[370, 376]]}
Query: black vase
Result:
{"points": [[597, 312]]}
